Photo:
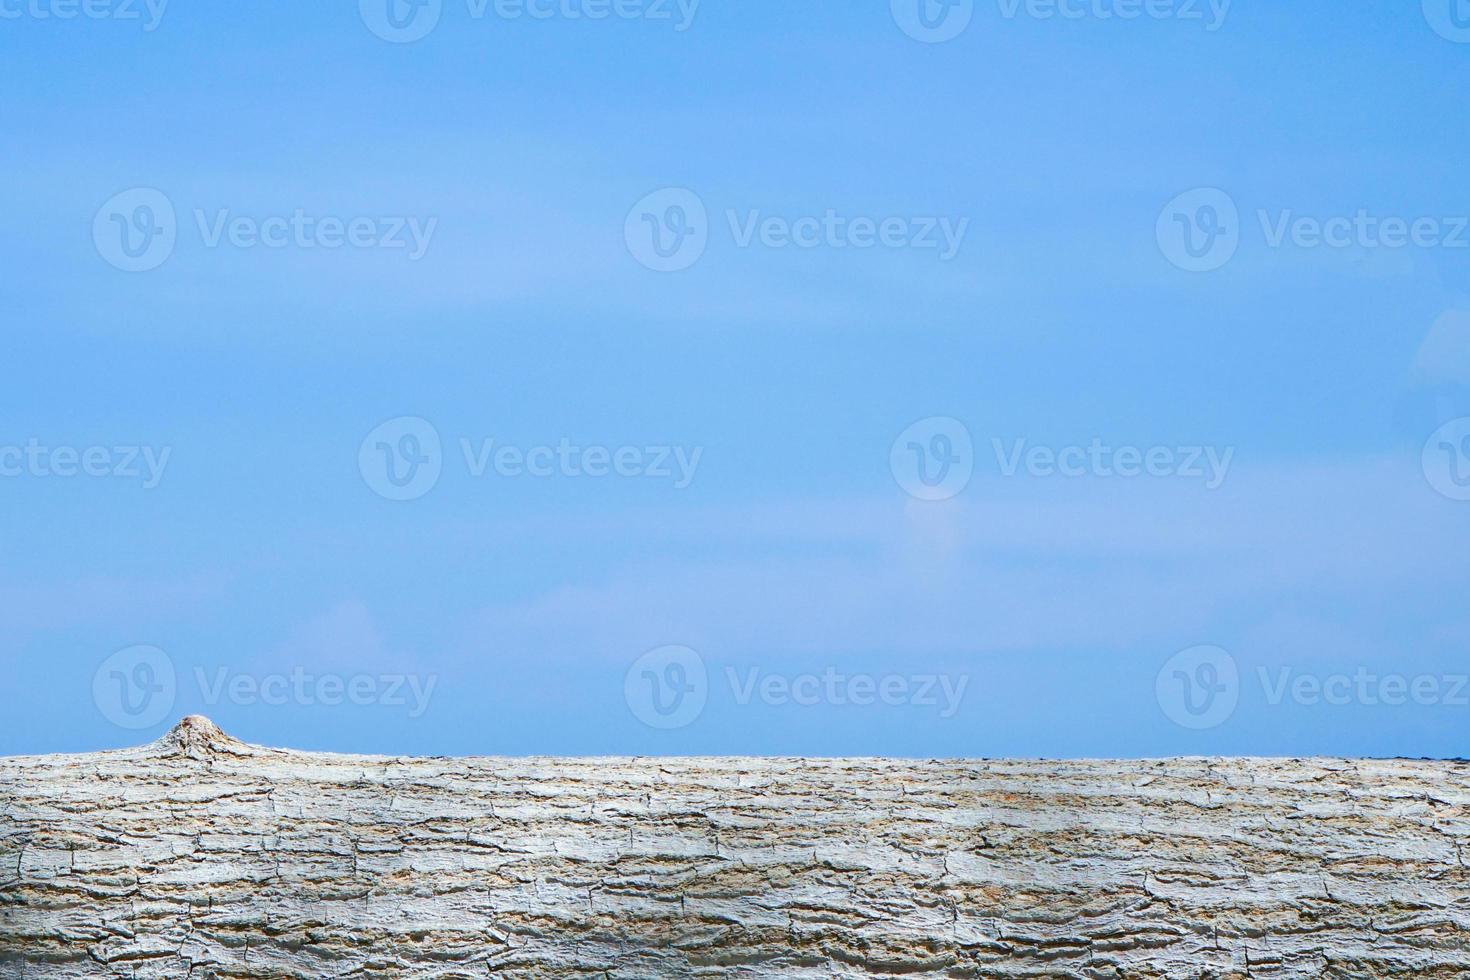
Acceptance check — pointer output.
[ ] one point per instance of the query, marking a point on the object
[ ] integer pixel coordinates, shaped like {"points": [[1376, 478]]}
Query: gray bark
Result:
{"points": [[200, 856]]}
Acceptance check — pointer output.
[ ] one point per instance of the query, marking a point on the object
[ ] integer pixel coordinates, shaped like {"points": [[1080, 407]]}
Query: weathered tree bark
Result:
{"points": [[200, 856]]}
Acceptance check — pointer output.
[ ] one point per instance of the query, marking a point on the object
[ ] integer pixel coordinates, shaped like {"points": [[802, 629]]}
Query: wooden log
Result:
{"points": [[200, 856]]}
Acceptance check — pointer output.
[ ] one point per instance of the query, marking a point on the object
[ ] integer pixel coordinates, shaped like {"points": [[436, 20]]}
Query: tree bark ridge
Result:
{"points": [[201, 856]]}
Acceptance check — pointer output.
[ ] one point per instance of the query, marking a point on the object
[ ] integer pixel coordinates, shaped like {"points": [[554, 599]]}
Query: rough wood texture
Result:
{"points": [[200, 856]]}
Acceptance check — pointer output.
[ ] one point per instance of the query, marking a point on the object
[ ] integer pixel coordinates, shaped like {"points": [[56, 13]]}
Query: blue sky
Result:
{"points": [[529, 152]]}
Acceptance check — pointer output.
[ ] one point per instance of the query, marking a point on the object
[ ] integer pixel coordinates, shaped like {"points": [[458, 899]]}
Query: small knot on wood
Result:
{"points": [[199, 738]]}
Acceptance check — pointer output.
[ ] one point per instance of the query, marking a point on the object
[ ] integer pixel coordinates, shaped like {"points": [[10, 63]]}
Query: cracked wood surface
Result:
{"points": [[200, 856]]}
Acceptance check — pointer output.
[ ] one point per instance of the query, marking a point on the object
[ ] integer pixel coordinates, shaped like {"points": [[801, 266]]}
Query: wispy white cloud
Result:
{"points": [[343, 637], [1444, 356], [1019, 566]]}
